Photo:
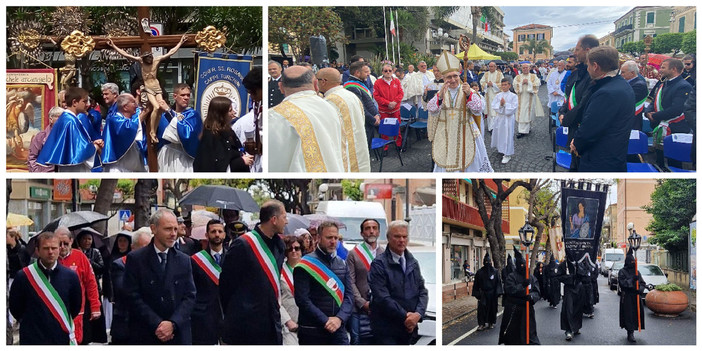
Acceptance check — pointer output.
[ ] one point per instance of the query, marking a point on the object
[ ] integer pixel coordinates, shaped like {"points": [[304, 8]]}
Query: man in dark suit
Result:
{"points": [[184, 243], [249, 298], [160, 288], [274, 95], [689, 73], [630, 72], [324, 308], [668, 100], [356, 83], [38, 325], [471, 76], [602, 140], [206, 267], [399, 295], [119, 330]]}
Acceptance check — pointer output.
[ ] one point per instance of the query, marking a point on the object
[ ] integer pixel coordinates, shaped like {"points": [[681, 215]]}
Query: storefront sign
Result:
{"points": [[39, 193], [62, 190]]}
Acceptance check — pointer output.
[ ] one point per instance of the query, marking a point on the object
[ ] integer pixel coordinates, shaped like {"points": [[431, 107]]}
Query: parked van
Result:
{"points": [[609, 257], [352, 214]]}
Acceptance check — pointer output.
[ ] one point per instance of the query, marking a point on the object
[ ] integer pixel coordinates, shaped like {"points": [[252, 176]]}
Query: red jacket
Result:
{"points": [[385, 93], [78, 262]]}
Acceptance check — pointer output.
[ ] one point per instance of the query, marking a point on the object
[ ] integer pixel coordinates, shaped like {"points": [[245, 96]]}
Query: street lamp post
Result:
{"points": [[526, 236], [634, 240]]}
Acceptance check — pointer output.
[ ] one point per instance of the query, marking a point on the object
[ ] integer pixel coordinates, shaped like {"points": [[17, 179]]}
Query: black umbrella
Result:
{"points": [[295, 222], [98, 239], [498, 62], [221, 196], [75, 220]]}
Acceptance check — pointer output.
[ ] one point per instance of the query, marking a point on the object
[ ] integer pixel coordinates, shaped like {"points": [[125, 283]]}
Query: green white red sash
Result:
{"points": [[324, 276], [640, 106], [663, 128], [358, 85], [208, 265], [265, 259], [51, 299], [571, 99], [657, 102], [287, 275], [364, 253]]}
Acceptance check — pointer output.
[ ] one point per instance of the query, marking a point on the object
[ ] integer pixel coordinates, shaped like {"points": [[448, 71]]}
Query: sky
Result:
{"points": [[569, 23]]}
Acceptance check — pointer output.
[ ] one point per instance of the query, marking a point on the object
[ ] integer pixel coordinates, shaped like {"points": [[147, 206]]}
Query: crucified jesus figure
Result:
{"points": [[149, 70]]}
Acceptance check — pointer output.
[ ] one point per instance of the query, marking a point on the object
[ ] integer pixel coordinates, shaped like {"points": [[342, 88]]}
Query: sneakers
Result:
{"points": [[569, 336], [506, 159], [589, 315]]}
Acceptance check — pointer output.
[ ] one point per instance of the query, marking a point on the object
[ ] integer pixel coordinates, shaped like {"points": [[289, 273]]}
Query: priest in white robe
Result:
{"points": [[422, 79], [305, 131], [124, 137], [526, 85], [457, 145], [491, 86], [356, 156], [555, 94], [505, 105]]}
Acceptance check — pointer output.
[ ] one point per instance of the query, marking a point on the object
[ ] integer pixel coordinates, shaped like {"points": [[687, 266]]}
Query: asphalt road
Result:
{"points": [[602, 330]]}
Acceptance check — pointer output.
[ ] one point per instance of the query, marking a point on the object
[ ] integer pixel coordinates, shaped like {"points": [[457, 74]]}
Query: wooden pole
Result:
{"points": [[638, 304], [527, 292]]}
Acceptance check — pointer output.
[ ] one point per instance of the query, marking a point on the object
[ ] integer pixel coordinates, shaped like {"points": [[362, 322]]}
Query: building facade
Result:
{"points": [[632, 194], [640, 22], [463, 232], [607, 40], [524, 34], [683, 19]]}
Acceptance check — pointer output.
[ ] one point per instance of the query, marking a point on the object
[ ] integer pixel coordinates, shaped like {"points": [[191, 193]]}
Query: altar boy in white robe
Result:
{"points": [[505, 104]]}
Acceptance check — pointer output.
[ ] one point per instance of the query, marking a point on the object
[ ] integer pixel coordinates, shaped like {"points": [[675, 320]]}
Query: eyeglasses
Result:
{"points": [[294, 248], [387, 70], [688, 64], [64, 244]]}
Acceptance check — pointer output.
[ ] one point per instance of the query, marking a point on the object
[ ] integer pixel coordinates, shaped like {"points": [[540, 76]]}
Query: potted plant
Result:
{"points": [[667, 300]]}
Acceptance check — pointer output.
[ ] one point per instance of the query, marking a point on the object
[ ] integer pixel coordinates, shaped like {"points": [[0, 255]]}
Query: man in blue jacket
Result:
{"points": [[630, 72], [159, 285], [323, 292], [399, 298], [602, 140]]}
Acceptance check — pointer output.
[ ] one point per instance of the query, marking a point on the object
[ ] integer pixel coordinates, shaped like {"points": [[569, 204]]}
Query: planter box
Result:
{"points": [[666, 303]]}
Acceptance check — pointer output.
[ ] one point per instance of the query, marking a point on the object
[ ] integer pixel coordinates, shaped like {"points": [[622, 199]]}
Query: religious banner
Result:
{"points": [[222, 75], [582, 212], [29, 95]]}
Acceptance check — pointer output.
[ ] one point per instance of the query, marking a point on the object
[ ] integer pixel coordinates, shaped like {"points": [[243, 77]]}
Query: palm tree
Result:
{"points": [[539, 47], [477, 12]]}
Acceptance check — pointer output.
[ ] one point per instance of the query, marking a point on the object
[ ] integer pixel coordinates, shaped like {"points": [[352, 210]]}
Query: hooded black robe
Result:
{"points": [[514, 320], [487, 287], [572, 306], [630, 296], [553, 285]]}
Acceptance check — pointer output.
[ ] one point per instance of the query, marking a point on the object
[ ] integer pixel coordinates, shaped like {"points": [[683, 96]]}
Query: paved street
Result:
{"points": [[532, 153], [602, 330]]}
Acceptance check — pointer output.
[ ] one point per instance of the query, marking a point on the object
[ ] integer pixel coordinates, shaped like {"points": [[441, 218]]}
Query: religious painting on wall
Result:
{"points": [[29, 95]]}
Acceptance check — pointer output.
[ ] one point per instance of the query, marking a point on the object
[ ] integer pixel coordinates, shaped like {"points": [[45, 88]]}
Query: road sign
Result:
{"points": [[124, 215]]}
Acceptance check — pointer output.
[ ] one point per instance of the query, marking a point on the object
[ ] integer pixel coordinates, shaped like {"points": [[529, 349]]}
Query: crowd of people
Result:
{"points": [[569, 283], [259, 287], [599, 97], [84, 136]]}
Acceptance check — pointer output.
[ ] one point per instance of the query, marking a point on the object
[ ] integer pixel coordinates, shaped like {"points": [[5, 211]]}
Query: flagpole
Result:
{"points": [[385, 20], [399, 59], [392, 35]]}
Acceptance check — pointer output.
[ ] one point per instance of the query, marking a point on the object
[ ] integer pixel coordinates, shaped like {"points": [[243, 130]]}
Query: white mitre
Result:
{"points": [[448, 63]]}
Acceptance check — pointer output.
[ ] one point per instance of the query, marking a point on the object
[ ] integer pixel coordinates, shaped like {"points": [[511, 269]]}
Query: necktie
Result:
{"points": [[47, 272], [402, 263], [163, 257], [217, 257]]}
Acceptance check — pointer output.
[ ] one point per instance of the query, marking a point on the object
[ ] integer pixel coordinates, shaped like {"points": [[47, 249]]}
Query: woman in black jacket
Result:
{"points": [[220, 150]]}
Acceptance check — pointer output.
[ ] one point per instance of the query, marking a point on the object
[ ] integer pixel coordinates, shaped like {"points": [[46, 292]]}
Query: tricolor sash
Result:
{"points": [[208, 265], [571, 98], [324, 276], [352, 84], [640, 106], [364, 253], [51, 299], [265, 259], [663, 128], [287, 275], [658, 100]]}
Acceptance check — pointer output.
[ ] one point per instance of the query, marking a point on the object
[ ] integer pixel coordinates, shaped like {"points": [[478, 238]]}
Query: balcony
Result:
{"points": [[465, 214], [623, 29]]}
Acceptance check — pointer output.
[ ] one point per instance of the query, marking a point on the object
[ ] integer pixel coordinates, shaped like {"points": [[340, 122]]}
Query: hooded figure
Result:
{"points": [[584, 271], [93, 330], [539, 274], [121, 247], [572, 307], [513, 330], [487, 287], [553, 286], [630, 297], [509, 268]]}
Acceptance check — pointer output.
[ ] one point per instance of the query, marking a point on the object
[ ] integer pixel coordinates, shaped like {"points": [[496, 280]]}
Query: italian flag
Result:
{"points": [[392, 24]]}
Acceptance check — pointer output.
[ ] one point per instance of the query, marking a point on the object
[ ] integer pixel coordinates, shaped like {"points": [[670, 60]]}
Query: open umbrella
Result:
{"points": [[316, 219], [75, 220], [99, 240], [199, 220], [113, 237], [16, 220], [476, 53], [221, 196], [295, 222], [498, 62]]}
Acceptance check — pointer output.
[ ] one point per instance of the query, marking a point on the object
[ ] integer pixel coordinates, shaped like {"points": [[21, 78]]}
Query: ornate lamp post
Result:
{"points": [[526, 236], [634, 240]]}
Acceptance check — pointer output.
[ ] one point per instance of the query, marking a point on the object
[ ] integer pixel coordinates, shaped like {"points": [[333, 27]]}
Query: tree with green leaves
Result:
{"points": [[352, 189], [667, 42], [673, 204], [296, 24], [689, 42], [543, 213], [478, 13], [537, 47], [508, 55]]}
